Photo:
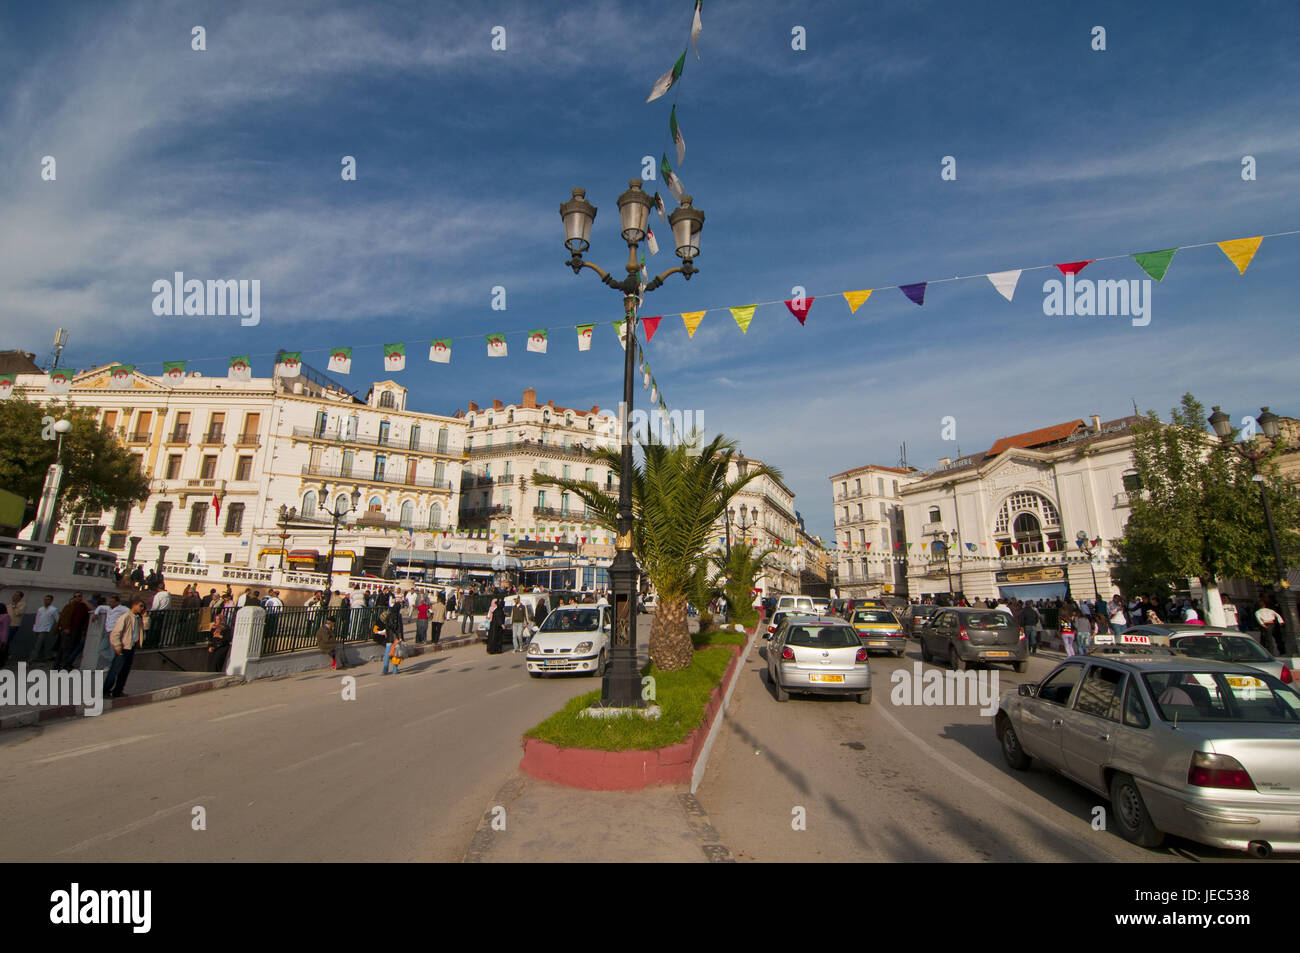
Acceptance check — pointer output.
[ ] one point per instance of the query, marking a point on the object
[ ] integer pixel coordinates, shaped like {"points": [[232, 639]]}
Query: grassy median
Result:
{"points": [[681, 695]]}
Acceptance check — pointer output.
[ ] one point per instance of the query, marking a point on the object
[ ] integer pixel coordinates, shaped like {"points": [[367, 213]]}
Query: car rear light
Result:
{"points": [[787, 653], [963, 634], [1022, 635], [771, 629], [1286, 673], [1218, 771], [862, 655]]}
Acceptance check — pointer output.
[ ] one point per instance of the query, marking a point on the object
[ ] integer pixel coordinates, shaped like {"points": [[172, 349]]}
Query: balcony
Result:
{"points": [[1122, 499], [374, 440], [179, 435], [248, 440], [214, 438], [553, 512], [387, 479], [140, 436], [530, 446], [485, 512]]}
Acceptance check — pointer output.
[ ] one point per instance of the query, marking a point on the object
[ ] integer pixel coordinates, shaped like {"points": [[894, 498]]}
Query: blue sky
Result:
{"points": [[818, 168]]}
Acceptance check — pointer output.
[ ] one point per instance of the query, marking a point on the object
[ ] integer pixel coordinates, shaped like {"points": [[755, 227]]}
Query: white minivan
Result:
{"points": [[572, 639], [799, 603]]}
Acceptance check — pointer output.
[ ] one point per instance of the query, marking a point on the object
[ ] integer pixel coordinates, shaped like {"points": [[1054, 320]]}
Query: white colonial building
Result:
{"points": [[764, 511], [869, 530], [1007, 522]]}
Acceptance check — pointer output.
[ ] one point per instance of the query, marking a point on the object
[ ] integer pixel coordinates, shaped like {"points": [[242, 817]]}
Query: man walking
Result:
{"points": [[1269, 622], [518, 621], [72, 630], [466, 608], [47, 617], [437, 616], [1029, 620], [421, 619], [125, 637]]}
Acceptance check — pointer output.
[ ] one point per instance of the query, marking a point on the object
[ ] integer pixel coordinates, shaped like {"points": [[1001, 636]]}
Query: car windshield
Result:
{"points": [[823, 636], [987, 620], [1225, 648], [875, 616], [571, 619], [1222, 696]]}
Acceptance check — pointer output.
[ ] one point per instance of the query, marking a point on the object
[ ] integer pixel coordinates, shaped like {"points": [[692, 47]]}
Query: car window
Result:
{"points": [[1222, 696], [823, 636], [1060, 684], [571, 619], [1100, 692], [875, 616], [1226, 648], [988, 620], [1135, 709]]}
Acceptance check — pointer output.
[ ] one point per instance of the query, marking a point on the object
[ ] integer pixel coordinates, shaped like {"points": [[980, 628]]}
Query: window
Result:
{"points": [[380, 462], [143, 423], [1135, 710], [506, 474], [1132, 482], [564, 504], [386, 399], [489, 441], [110, 420], [407, 518], [471, 420], [1100, 692], [586, 476], [350, 432], [376, 505], [174, 466], [541, 499], [414, 443], [198, 517], [309, 505], [252, 425], [322, 421], [234, 517], [162, 514], [216, 429], [884, 539], [609, 479], [884, 511], [510, 416], [567, 468], [491, 420], [933, 516], [862, 537], [435, 516], [120, 518], [383, 431], [244, 468], [857, 487], [208, 469], [591, 423], [348, 456], [546, 416], [1058, 688], [568, 420], [442, 439], [181, 432], [440, 473], [880, 486]]}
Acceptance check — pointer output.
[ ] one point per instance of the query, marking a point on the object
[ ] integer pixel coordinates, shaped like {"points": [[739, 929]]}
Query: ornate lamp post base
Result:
{"points": [[621, 684]]}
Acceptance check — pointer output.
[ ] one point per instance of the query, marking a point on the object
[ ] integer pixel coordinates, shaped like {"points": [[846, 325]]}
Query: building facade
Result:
{"points": [[764, 511], [870, 530]]}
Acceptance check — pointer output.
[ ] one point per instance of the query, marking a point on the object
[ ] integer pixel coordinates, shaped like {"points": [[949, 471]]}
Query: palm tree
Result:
{"points": [[736, 575], [678, 494]]}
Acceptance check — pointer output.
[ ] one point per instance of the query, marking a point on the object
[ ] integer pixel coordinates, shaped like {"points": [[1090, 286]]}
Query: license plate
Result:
{"points": [[879, 645], [816, 677], [997, 654], [1238, 681]]}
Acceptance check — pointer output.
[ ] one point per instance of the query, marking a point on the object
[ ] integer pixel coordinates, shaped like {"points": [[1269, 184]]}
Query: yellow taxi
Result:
{"points": [[878, 627]]}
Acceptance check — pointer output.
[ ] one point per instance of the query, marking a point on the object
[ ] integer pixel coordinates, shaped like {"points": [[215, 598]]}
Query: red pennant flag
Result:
{"points": [[651, 326], [898, 546], [583, 538], [801, 312], [216, 505], [1074, 267]]}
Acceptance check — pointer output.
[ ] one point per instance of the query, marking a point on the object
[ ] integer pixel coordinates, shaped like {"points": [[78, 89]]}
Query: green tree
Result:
{"points": [[98, 470], [678, 494], [735, 578], [1198, 512]]}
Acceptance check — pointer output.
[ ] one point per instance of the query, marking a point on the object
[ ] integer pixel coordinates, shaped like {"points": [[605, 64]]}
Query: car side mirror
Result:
{"points": [[1028, 690]]}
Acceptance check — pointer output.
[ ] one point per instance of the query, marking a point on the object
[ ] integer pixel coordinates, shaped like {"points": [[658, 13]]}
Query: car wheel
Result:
{"points": [[781, 694], [1022, 667], [925, 652], [955, 661], [1011, 749], [1131, 812], [534, 674], [600, 665], [864, 698], [900, 653]]}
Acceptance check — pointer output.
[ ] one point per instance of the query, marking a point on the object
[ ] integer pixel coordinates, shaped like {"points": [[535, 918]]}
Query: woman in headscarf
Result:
{"points": [[496, 628]]}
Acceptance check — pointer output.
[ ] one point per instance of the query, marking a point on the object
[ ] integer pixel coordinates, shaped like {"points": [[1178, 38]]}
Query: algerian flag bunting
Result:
{"points": [[584, 336], [60, 382], [174, 370], [678, 139], [341, 360], [666, 81], [652, 243], [241, 368], [659, 206], [618, 329], [289, 364], [6, 386], [696, 28], [440, 351], [674, 184], [121, 376], [394, 357], [496, 345], [537, 340]]}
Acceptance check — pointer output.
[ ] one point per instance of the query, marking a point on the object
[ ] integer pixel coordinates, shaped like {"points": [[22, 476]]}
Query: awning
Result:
{"points": [[427, 556], [305, 554], [1032, 591]]}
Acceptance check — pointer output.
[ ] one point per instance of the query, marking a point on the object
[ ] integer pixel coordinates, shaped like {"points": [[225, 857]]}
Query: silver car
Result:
{"points": [[818, 655], [1202, 749], [1231, 647]]}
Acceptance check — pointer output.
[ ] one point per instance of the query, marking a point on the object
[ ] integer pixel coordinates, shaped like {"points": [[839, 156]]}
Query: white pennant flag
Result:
{"points": [[1005, 282], [696, 28]]}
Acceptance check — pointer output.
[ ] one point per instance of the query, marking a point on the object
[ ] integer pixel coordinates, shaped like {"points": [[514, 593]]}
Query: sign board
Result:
{"points": [[1039, 574]]}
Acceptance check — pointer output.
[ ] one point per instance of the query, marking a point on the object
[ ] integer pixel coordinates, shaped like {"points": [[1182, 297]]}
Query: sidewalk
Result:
{"points": [[146, 686], [531, 821]]}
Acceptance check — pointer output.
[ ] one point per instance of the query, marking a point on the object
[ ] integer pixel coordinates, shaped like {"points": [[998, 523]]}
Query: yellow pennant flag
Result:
{"points": [[692, 319], [743, 316], [1240, 251], [856, 299]]}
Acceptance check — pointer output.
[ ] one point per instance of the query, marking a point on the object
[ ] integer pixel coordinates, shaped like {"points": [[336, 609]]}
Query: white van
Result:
{"points": [[798, 603]]}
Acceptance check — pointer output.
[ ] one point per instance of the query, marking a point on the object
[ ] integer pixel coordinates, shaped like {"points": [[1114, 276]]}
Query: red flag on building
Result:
{"points": [[216, 505]]}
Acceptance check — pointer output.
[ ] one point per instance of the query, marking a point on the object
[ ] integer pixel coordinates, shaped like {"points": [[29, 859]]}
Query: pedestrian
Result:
{"points": [[437, 616], [218, 646], [1118, 615], [72, 630], [111, 613], [496, 628], [162, 599], [467, 612], [421, 619], [272, 602], [125, 637], [1029, 620], [4, 634], [17, 609], [1083, 632], [451, 606], [518, 622], [541, 611], [393, 630], [1067, 616], [327, 641], [44, 631], [1269, 627]]}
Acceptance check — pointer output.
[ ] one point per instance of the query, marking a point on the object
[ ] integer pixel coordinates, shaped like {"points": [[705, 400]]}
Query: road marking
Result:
{"points": [[136, 825], [1018, 806], [506, 689], [436, 714], [251, 711], [317, 757], [91, 749]]}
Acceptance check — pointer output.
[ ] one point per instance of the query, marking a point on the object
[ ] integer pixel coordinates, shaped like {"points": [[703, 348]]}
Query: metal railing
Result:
{"points": [[373, 440], [338, 473], [179, 435], [294, 630], [214, 436]]}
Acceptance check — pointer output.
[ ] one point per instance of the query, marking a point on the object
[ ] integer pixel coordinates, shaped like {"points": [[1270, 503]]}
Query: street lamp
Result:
{"points": [[47, 515], [1085, 546], [287, 515], [1267, 421], [621, 685], [341, 508], [948, 539]]}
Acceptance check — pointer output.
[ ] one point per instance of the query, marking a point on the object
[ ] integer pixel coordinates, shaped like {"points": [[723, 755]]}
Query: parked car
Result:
{"points": [[818, 655], [879, 629], [964, 636], [803, 603], [571, 639], [1159, 633], [823, 606], [777, 618], [1203, 749], [917, 617], [1231, 647]]}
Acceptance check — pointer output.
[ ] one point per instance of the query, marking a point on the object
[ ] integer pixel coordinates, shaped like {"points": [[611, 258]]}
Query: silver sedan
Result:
{"points": [[818, 655], [1203, 749]]}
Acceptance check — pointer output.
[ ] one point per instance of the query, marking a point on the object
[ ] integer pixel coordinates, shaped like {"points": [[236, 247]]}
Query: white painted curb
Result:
{"points": [[697, 776]]}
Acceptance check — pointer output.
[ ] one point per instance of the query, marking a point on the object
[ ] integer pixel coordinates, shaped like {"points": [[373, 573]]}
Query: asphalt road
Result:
{"points": [[885, 782], [285, 769]]}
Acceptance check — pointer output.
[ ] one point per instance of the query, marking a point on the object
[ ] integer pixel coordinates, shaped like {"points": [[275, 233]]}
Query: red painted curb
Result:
{"points": [[594, 770]]}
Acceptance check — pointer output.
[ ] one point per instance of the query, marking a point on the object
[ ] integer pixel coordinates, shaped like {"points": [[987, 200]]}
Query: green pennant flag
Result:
{"points": [[666, 81], [678, 139], [1155, 263], [674, 184], [395, 357]]}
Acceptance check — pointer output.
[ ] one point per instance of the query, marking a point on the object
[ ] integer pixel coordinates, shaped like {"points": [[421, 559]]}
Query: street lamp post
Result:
{"points": [[621, 685], [1085, 546], [341, 509], [287, 515], [948, 539], [1267, 421], [47, 516]]}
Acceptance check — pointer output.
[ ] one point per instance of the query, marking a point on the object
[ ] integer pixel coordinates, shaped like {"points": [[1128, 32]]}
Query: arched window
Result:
{"points": [[1029, 523], [568, 420], [546, 416], [342, 503], [376, 505], [309, 505], [471, 420], [407, 518], [510, 417], [386, 399], [435, 516], [591, 423]]}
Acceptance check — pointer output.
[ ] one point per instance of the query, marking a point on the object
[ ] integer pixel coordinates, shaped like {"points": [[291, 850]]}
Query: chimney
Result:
{"points": [[1096, 423], [496, 404], [473, 406], [530, 396]]}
